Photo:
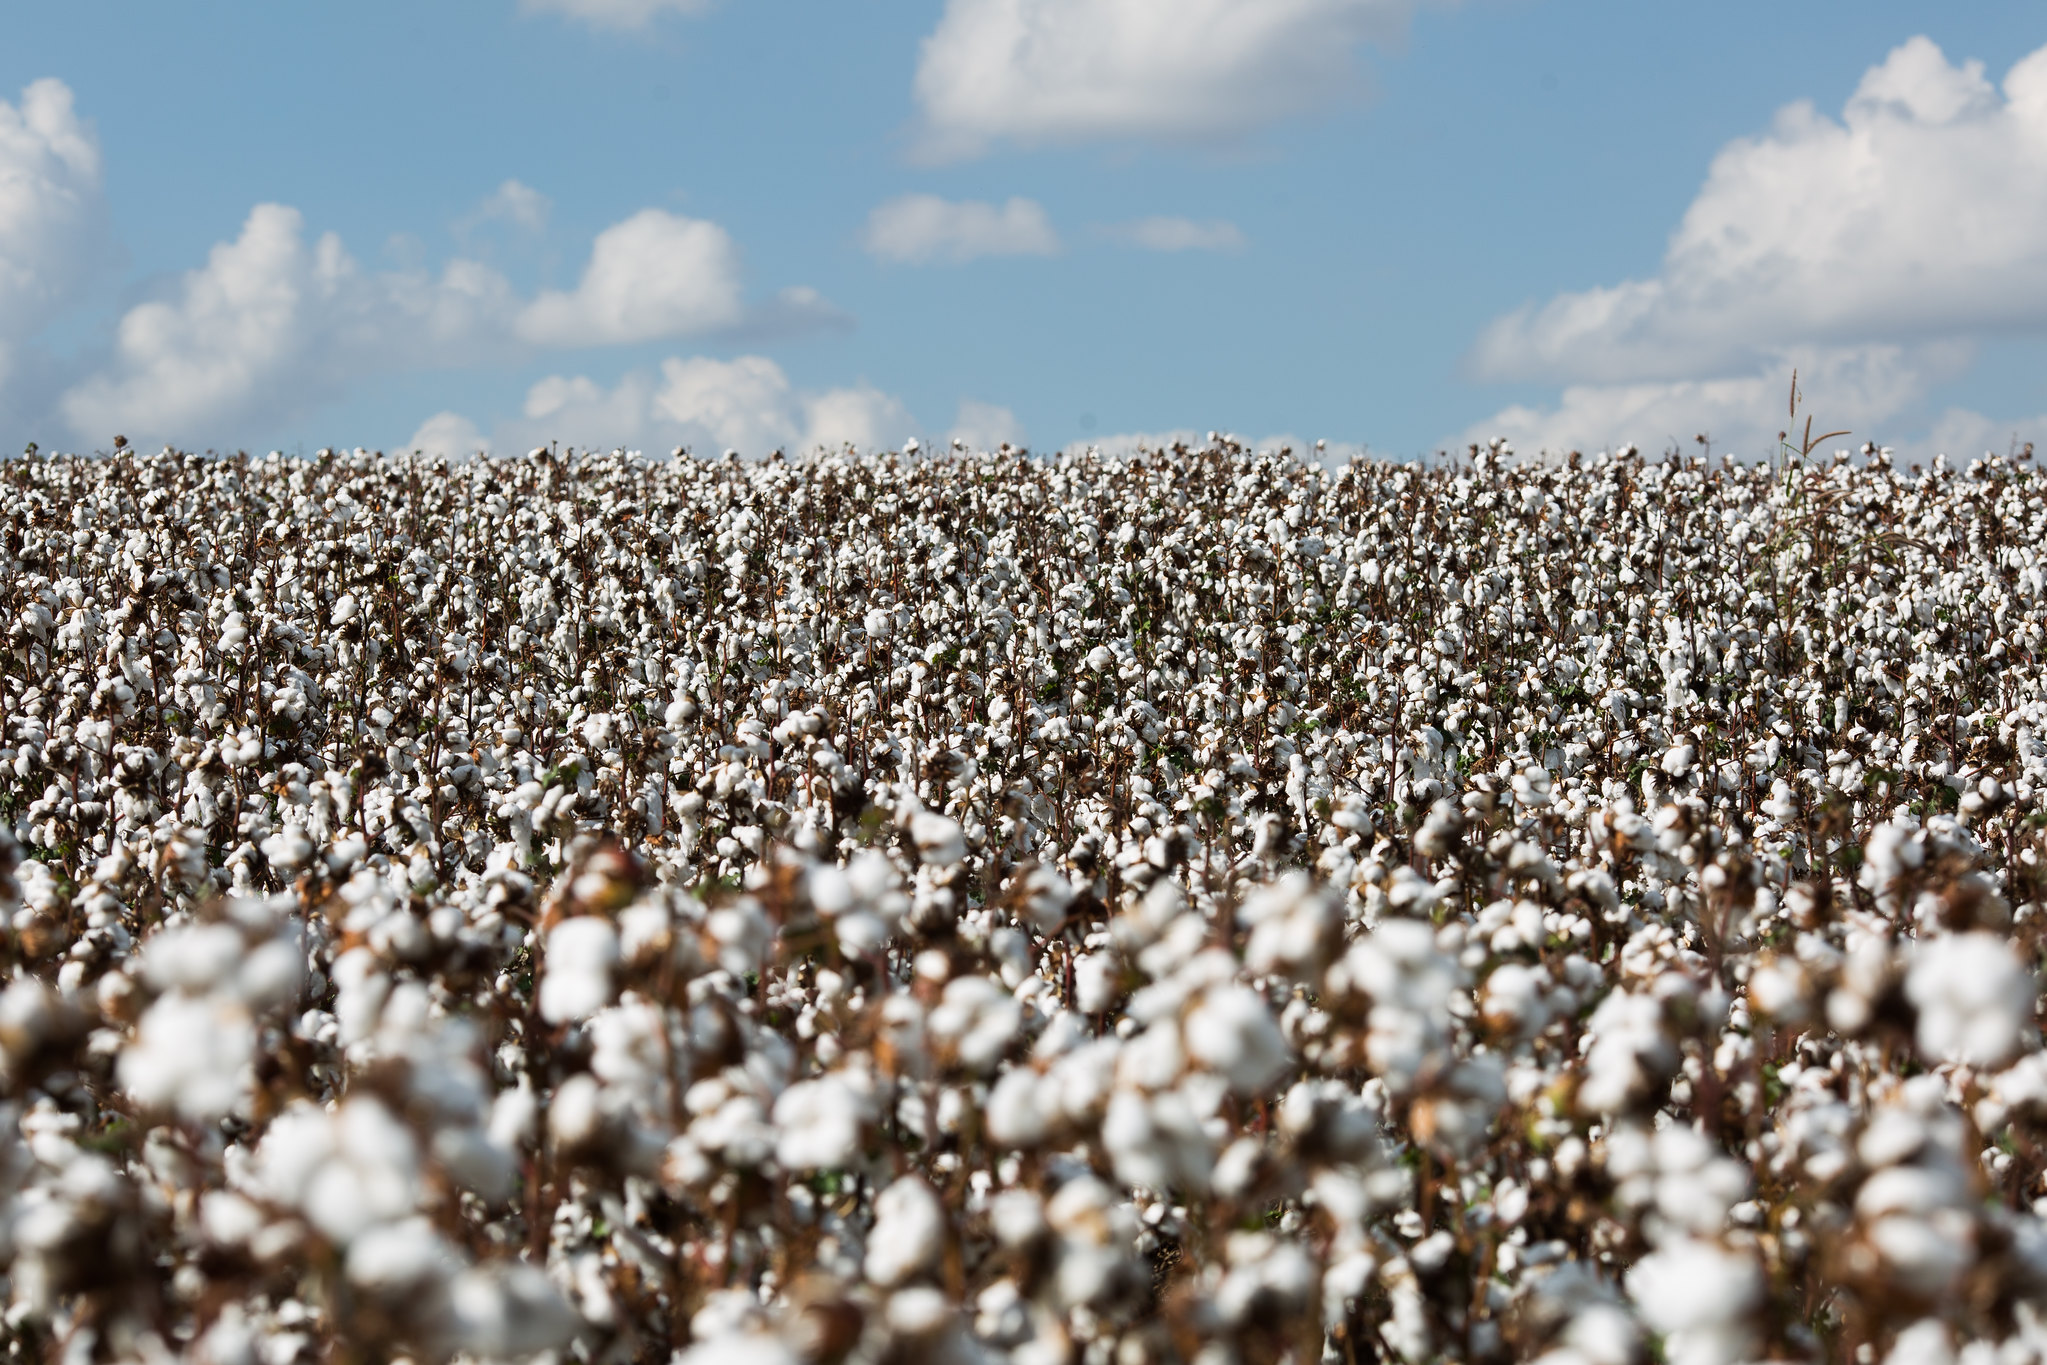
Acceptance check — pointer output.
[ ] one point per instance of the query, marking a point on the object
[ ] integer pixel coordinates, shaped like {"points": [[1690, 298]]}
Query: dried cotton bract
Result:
{"points": [[963, 907]]}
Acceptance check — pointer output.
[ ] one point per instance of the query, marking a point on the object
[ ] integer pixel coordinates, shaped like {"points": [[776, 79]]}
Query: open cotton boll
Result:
{"points": [[1232, 1033], [818, 1123], [1699, 1296], [908, 1233], [939, 839], [508, 1310], [396, 1257], [575, 980], [192, 1055], [1975, 999]]}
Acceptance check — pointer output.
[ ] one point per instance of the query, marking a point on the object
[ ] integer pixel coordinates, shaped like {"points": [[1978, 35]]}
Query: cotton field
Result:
{"points": [[955, 907]]}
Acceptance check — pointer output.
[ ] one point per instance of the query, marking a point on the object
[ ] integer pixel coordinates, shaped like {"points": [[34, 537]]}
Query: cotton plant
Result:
{"points": [[966, 906]]}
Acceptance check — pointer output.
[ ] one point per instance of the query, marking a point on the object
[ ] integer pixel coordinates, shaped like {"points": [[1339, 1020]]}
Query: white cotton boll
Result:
{"points": [[1152, 1060], [879, 625], [860, 933], [344, 609], [509, 1309], [980, 1018], [908, 1234], [1100, 659], [576, 977], [1048, 893], [1017, 1218], [1925, 1342], [1095, 984], [743, 935], [1700, 1294], [1679, 758], [514, 1116], [394, 1258], [192, 957], [373, 1177], [818, 1124], [228, 1219], [269, 975], [1974, 997], [1017, 1114], [919, 1311], [288, 849], [476, 1163], [1232, 1032], [939, 839], [576, 1117], [831, 891], [738, 1348], [294, 1148], [190, 1055], [1927, 1255]]}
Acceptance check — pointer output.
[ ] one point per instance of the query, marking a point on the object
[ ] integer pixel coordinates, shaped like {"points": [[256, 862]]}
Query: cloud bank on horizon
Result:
{"points": [[1873, 252], [1877, 250]]}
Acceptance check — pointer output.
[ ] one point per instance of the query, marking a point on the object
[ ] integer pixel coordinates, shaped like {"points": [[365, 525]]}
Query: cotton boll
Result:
{"points": [[979, 1018], [1233, 1033], [1975, 999], [939, 839], [576, 980], [191, 1055], [819, 1123], [507, 1310], [1699, 1296], [1018, 1114], [1095, 984], [396, 1257], [908, 1234], [192, 958]]}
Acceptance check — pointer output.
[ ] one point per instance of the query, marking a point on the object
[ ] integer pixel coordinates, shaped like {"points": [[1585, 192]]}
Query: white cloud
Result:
{"points": [[746, 404], [1968, 435], [271, 322], [655, 275], [619, 14], [447, 433], [513, 202], [52, 216], [1859, 388], [985, 426], [1916, 215], [922, 228], [1178, 234], [1141, 442], [1048, 71]]}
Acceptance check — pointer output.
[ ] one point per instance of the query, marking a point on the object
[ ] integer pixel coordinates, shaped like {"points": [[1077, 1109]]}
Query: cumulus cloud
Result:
{"points": [[616, 14], [52, 215], [513, 202], [1178, 234], [1861, 388], [1051, 71], [655, 275], [274, 323], [985, 426], [748, 404], [447, 433], [1915, 215], [920, 229], [1874, 251], [1966, 434]]}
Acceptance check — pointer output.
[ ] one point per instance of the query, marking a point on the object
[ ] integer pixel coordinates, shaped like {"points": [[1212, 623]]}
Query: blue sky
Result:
{"points": [[764, 222]]}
